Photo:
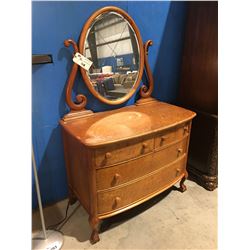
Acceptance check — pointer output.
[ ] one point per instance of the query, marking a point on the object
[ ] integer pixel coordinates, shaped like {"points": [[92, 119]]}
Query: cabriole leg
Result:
{"points": [[183, 187], [94, 224]]}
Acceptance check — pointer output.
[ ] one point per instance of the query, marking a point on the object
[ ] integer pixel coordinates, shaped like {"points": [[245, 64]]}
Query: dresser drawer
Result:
{"points": [[169, 136], [116, 175], [109, 201], [122, 151], [164, 156], [119, 174]]}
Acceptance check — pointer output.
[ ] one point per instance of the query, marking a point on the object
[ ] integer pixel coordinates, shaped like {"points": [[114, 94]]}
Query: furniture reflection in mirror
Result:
{"points": [[112, 46], [117, 159]]}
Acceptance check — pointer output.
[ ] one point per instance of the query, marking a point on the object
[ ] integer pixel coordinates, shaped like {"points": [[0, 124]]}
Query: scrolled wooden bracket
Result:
{"points": [[80, 98], [69, 42], [145, 91]]}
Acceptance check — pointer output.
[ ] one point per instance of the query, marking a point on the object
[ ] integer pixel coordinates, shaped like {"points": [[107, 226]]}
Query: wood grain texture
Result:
{"points": [[117, 175], [110, 172], [160, 116], [199, 73], [120, 152], [199, 90], [77, 170], [108, 202], [122, 173], [171, 153], [171, 135]]}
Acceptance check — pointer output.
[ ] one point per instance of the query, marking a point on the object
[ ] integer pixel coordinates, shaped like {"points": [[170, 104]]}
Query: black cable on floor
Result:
{"points": [[54, 226]]}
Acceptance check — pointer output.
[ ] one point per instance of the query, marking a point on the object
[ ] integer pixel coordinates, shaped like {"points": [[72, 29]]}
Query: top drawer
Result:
{"points": [[171, 135], [122, 151]]}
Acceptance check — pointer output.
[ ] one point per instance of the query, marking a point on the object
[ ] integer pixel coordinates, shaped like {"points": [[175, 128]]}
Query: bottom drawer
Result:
{"points": [[121, 197]]}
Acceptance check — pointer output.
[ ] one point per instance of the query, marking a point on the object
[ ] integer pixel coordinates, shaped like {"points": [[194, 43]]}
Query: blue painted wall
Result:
{"points": [[52, 23]]}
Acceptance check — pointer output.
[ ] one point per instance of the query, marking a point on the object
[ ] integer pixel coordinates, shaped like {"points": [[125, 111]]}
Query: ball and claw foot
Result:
{"points": [[94, 223], [182, 188], [94, 237]]}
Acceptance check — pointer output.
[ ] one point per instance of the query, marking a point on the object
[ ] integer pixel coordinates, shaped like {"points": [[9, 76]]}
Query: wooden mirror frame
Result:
{"points": [[77, 108], [82, 40]]}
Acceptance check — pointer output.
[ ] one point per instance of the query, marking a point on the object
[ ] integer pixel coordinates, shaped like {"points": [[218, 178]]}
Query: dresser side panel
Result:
{"points": [[76, 158]]}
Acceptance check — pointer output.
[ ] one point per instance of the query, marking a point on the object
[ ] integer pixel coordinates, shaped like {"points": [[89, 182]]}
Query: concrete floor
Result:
{"points": [[172, 220]]}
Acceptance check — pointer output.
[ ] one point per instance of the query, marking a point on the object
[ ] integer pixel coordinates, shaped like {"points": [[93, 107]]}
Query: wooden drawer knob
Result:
{"points": [[180, 150], [117, 177], [144, 145], [185, 129], [164, 138], [178, 171], [108, 155], [117, 201]]}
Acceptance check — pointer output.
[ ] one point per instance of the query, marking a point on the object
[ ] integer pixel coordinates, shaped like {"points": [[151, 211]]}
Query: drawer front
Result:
{"points": [[166, 155], [116, 175], [122, 151], [109, 201], [169, 136]]}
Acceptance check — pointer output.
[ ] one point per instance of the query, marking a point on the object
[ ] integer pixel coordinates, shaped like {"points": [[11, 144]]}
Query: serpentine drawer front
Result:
{"points": [[141, 188], [116, 175]]}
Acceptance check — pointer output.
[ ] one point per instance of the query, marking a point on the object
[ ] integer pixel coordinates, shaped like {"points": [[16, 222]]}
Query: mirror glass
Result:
{"points": [[111, 44]]}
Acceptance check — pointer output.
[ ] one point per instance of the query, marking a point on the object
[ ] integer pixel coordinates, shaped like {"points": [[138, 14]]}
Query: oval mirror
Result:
{"points": [[112, 42]]}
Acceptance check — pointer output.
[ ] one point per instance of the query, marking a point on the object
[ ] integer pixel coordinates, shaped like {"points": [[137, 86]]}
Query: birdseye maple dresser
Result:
{"points": [[117, 159]]}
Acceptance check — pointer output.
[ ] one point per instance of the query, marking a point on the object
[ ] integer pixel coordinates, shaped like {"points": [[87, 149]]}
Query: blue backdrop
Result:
{"points": [[52, 23]]}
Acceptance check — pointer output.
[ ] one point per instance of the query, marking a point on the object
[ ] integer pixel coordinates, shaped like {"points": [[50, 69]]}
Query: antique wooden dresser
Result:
{"points": [[118, 159]]}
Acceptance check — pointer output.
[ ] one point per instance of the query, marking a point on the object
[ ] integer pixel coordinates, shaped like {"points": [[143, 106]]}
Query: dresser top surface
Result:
{"points": [[126, 123]]}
